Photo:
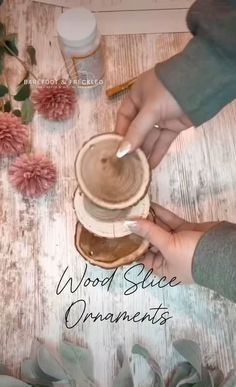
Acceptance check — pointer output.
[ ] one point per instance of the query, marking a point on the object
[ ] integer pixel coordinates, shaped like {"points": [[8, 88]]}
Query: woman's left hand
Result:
{"points": [[174, 242]]}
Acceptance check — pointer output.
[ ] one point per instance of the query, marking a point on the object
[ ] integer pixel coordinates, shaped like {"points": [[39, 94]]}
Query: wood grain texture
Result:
{"points": [[121, 18], [120, 5], [196, 179], [144, 22]]}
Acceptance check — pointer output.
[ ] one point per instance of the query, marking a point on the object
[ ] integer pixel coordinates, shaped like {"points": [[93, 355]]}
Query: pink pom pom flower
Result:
{"points": [[32, 175], [13, 135], [55, 102]]}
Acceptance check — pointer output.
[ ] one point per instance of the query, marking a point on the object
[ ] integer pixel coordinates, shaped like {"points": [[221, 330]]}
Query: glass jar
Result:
{"points": [[81, 46]]}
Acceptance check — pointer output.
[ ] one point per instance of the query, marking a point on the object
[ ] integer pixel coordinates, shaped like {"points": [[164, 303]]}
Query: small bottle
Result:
{"points": [[81, 46]]}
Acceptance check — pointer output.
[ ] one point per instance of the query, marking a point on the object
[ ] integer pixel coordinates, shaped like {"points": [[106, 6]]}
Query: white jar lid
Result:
{"points": [[77, 27]]}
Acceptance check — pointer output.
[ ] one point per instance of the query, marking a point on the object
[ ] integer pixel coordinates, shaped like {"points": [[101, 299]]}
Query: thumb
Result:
{"points": [[150, 231], [137, 131]]}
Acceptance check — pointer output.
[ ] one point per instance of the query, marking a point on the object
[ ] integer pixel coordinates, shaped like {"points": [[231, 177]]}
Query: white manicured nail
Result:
{"points": [[124, 149]]}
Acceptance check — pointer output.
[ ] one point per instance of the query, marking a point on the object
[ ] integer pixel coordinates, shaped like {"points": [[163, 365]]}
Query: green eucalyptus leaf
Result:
{"points": [[12, 46], [10, 37], [141, 371], [138, 350], [181, 371], [49, 365], [2, 30], [159, 381], [27, 111], [7, 106], [23, 93], [3, 90], [10, 42], [191, 379], [78, 363], [32, 54], [124, 376], [32, 374], [17, 112], [191, 352], [36, 344], [8, 381]]}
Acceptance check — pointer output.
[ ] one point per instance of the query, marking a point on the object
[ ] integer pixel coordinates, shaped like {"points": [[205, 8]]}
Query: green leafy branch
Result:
{"points": [[8, 46], [73, 366]]}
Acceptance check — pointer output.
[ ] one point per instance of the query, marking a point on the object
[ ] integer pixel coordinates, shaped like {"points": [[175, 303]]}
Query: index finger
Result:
{"points": [[171, 220], [125, 115]]}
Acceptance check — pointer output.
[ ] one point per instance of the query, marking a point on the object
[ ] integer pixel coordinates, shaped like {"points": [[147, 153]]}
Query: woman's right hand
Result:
{"points": [[149, 103]]}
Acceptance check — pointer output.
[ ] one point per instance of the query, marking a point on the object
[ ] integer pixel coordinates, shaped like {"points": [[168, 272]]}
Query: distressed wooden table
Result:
{"points": [[196, 179]]}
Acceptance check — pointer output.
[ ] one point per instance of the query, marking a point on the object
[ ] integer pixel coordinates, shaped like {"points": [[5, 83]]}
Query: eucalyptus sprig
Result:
{"points": [[8, 46], [72, 366], [188, 373]]}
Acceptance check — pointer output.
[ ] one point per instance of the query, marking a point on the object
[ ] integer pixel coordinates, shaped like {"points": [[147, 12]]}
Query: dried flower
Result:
{"points": [[55, 102], [33, 175], [13, 135]]}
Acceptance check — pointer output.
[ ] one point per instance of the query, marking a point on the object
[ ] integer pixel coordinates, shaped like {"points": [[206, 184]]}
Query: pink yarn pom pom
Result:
{"points": [[13, 135], [33, 175], [56, 102]]}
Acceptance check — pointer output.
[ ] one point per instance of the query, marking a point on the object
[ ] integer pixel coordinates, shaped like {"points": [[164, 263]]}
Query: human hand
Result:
{"points": [[174, 242], [149, 103]]}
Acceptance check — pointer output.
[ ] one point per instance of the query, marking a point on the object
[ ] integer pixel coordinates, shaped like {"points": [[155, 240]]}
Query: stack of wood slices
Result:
{"points": [[110, 191]]}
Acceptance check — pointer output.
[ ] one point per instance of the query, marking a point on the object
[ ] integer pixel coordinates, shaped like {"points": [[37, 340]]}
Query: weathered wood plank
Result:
{"points": [[20, 222], [18, 247], [120, 5], [144, 22], [141, 21]]}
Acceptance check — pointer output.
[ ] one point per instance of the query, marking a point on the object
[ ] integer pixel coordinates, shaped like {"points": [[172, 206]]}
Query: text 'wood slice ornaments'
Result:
{"points": [[110, 182], [110, 191]]}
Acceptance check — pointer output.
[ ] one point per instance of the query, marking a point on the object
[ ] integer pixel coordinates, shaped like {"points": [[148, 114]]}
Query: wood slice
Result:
{"points": [[109, 253], [107, 223], [110, 182]]}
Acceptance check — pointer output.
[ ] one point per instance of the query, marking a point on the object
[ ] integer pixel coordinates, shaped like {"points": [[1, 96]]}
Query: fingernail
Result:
{"points": [[124, 149], [132, 225]]}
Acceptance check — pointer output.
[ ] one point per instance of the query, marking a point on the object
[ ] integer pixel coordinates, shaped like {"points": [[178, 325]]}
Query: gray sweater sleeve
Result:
{"points": [[202, 77], [214, 262]]}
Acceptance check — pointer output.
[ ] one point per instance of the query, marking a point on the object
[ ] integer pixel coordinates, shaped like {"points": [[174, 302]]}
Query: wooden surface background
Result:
{"points": [[121, 5], [196, 179], [121, 17]]}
